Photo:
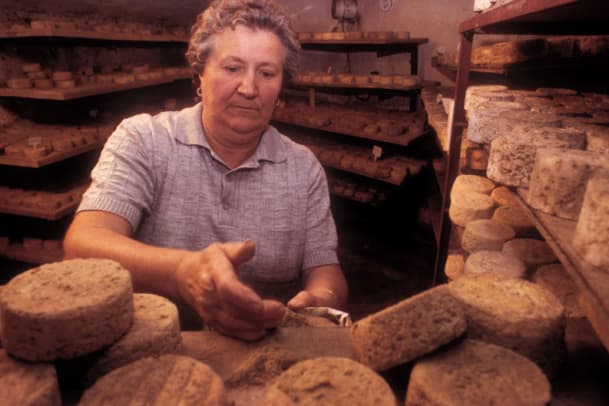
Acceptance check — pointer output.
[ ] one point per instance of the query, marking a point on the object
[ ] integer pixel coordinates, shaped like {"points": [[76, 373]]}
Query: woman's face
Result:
{"points": [[240, 84]]}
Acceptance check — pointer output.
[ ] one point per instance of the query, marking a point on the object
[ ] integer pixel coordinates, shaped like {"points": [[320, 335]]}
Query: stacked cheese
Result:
{"points": [[515, 314], [80, 314]]}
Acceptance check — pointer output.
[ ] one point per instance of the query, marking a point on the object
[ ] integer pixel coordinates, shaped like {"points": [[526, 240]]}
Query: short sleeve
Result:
{"points": [[122, 181], [321, 237]]}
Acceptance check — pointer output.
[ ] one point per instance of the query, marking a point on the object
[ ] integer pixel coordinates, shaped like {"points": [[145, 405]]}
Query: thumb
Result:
{"points": [[301, 300], [239, 252]]}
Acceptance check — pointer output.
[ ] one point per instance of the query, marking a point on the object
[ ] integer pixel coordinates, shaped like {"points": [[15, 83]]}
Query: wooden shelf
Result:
{"points": [[36, 212], [89, 34], [540, 65], [353, 43], [520, 17], [382, 47], [542, 17], [14, 160], [592, 281], [402, 140], [369, 86], [86, 90], [19, 253]]}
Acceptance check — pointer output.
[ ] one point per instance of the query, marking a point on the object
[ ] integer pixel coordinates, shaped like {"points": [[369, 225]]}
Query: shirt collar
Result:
{"points": [[271, 147]]}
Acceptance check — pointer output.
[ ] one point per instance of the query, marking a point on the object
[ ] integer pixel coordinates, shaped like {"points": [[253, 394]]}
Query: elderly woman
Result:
{"points": [[211, 206]]}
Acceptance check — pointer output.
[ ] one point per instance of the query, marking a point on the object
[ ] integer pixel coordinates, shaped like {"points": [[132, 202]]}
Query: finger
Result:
{"points": [[301, 300], [232, 293], [274, 313], [239, 252], [239, 299], [229, 325]]}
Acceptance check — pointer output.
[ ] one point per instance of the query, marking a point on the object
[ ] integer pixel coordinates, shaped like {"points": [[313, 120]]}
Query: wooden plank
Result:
{"points": [[55, 156], [402, 140], [364, 42], [397, 181], [90, 89], [89, 34], [232, 358], [368, 86], [542, 17], [592, 281], [36, 212], [19, 253], [510, 11]]}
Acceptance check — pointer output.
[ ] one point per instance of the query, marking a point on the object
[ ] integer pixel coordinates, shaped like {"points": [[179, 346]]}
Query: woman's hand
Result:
{"points": [[313, 297], [207, 281], [324, 285]]}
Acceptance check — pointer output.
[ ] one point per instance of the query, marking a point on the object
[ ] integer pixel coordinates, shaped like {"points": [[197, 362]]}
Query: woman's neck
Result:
{"points": [[219, 138]]}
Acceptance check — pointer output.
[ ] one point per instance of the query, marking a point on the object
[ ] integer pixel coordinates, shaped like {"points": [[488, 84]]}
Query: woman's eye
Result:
{"points": [[268, 74], [231, 69]]}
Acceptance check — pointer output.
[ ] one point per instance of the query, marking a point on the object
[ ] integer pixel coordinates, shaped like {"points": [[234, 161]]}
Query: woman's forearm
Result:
{"points": [[328, 283], [92, 235]]}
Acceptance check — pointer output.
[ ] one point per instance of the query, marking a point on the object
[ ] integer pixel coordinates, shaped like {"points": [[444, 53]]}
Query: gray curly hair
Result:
{"points": [[256, 14]]}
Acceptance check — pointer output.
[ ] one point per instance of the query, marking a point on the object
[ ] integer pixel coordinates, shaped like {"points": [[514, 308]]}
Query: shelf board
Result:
{"points": [[549, 64], [592, 281], [369, 86], [19, 253], [21, 161], [36, 212], [549, 17], [396, 182], [402, 140], [89, 34], [373, 203], [91, 89], [381, 47]]}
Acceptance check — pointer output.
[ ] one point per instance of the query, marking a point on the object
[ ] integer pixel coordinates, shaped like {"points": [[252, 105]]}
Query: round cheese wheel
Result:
{"points": [[61, 75], [516, 218], [65, 84], [555, 278], [505, 197], [31, 67], [495, 263], [140, 69], [19, 83], [453, 268], [467, 206], [27, 384], [166, 380], [477, 373], [486, 234], [472, 183], [124, 78], [37, 75], [531, 251], [329, 381], [155, 331], [65, 309], [43, 84]]}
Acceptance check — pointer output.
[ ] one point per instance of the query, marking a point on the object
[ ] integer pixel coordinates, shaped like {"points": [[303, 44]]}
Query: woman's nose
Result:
{"points": [[248, 86]]}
